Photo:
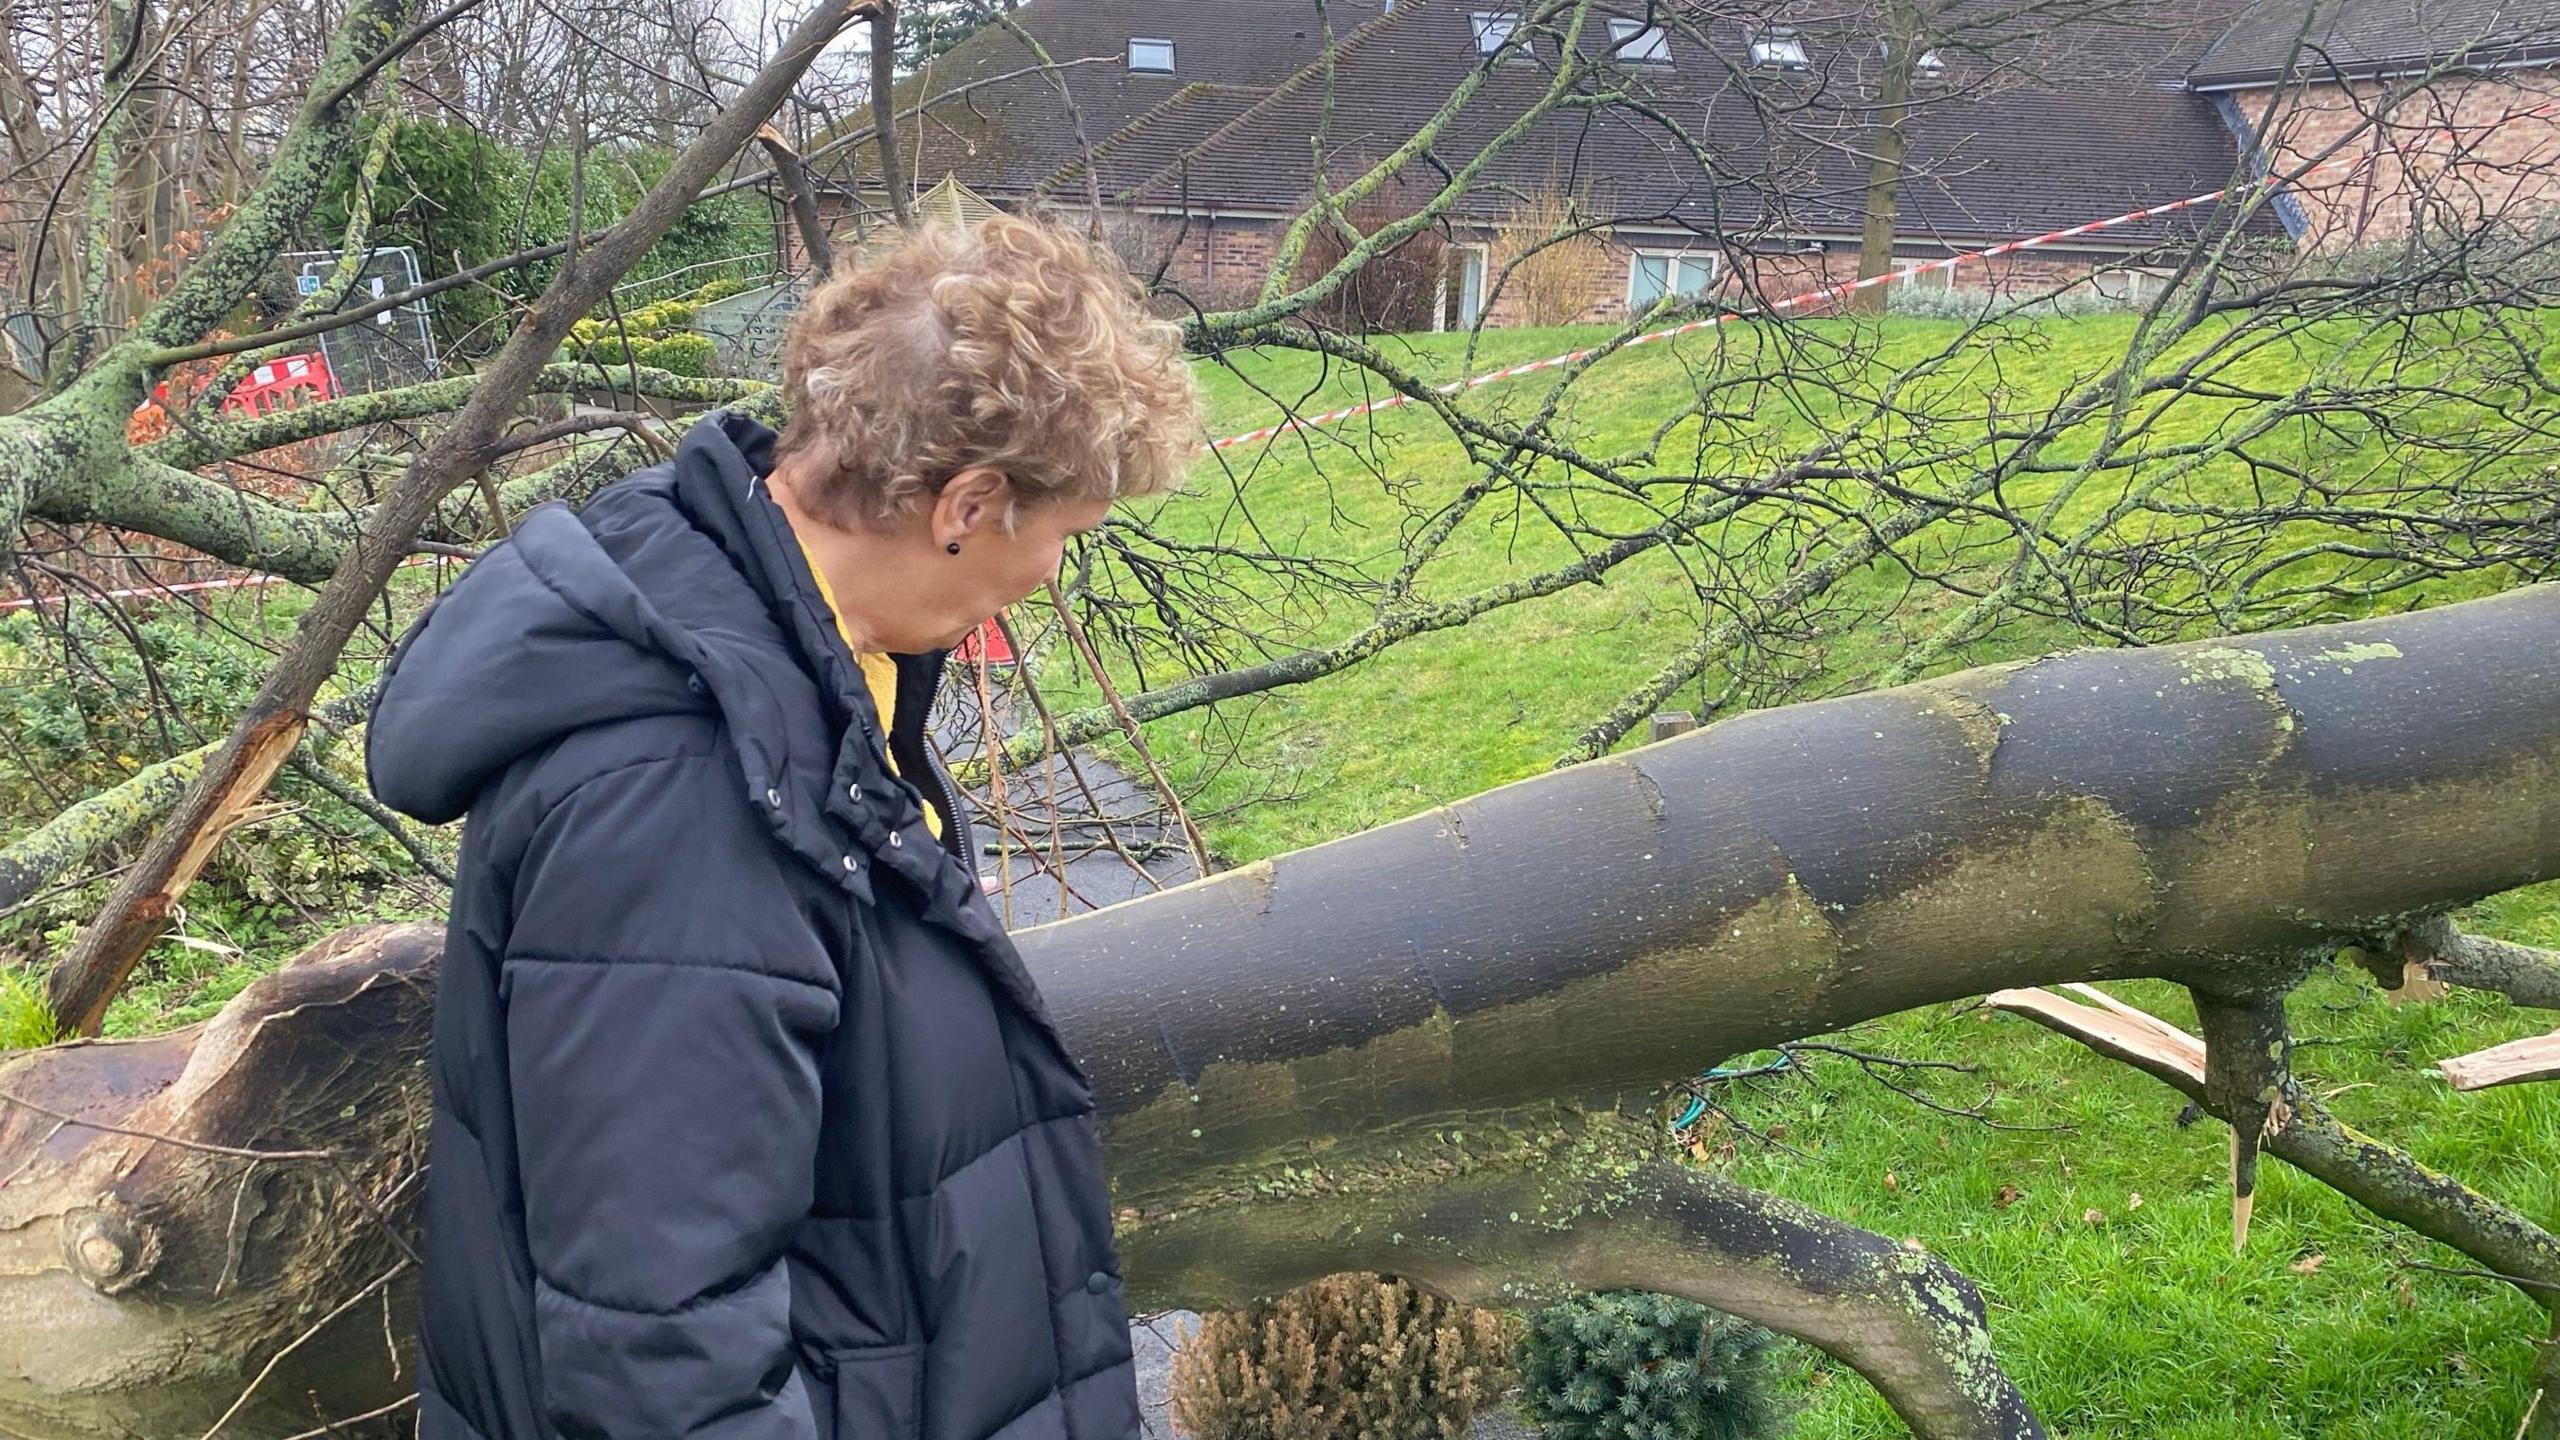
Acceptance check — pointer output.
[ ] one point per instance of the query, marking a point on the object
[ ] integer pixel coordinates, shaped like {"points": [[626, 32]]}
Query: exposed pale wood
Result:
{"points": [[2244, 1198], [2535, 1057], [80, 993], [2416, 985], [2144, 1040], [2113, 1028]]}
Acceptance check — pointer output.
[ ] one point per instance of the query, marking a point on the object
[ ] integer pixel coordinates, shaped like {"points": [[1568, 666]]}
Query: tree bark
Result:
{"points": [[1432, 1049], [148, 1279], [883, 15], [2092, 815], [1903, 46], [802, 199]]}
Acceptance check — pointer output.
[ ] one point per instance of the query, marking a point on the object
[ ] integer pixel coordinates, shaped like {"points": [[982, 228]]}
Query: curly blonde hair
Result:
{"points": [[1010, 343]]}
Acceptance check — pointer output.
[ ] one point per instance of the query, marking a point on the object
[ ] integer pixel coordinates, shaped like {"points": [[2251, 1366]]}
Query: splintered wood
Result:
{"points": [[2110, 1027], [2536, 1057]]}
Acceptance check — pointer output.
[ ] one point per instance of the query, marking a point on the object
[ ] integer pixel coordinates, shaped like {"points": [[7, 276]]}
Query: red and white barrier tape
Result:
{"points": [[1829, 292], [1332, 417], [161, 592]]}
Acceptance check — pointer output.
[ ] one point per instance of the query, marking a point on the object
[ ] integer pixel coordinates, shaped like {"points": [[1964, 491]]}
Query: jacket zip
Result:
{"points": [[960, 841], [956, 814]]}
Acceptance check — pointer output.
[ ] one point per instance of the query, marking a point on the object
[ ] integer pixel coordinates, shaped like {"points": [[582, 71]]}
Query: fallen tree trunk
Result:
{"points": [[180, 1210], [1593, 932], [1430, 1049]]}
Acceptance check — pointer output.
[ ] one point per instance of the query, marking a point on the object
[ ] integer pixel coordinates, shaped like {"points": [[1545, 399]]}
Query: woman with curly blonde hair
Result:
{"points": [[747, 1120]]}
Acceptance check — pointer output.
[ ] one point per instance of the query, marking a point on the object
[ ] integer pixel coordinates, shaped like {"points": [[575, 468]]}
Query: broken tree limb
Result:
{"points": [[2536, 1057], [802, 199], [2525, 974], [1393, 1012], [137, 912], [2377, 1176], [2248, 1056], [2113, 1029]]}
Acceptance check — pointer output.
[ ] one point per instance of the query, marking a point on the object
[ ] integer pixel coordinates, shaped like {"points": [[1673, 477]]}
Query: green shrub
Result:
{"points": [[461, 199], [89, 706], [650, 321], [93, 703], [1633, 1366], [680, 354], [1350, 1357], [26, 1021]]}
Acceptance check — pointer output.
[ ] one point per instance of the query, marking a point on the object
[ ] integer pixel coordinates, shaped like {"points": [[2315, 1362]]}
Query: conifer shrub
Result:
{"points": [[1632, 1366]]}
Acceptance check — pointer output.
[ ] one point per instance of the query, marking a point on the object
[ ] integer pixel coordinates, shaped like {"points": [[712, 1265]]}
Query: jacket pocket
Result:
{"points": [[879, 1392]]}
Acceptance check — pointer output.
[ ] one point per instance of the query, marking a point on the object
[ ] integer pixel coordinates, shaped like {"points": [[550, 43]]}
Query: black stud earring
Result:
{"points": [[953, 547]]}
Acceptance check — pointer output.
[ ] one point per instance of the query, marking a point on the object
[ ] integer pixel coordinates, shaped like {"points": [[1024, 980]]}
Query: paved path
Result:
{"points": [[1049, 816]]}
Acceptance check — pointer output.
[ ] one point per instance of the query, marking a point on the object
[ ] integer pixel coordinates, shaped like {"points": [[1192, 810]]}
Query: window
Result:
{"points": [[1929, 67], [1151, 56], [1779, 50], [2131, 284], [1493, 29], [1635, 40], [1654, 274]]}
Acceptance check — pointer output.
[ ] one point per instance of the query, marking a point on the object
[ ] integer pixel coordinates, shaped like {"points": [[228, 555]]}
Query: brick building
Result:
{"points": [[1733, 150], [2392, 117]]}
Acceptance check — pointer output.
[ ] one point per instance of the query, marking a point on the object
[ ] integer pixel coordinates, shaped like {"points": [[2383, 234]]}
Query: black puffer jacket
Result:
{"points": [[748, 1121]]}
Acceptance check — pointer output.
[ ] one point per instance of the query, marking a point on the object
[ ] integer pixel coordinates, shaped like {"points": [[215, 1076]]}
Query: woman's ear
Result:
{"points": [[973, 503]]}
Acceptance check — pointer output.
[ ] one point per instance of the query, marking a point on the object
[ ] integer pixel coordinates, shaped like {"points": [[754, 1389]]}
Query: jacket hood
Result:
{"points": [[678, 590], [654, 600], [542, 636]]}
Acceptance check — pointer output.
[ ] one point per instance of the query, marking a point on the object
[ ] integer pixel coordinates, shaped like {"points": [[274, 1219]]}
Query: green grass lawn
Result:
{"points": [[1450, 713], [2104, 1248], [2100, 1233]]}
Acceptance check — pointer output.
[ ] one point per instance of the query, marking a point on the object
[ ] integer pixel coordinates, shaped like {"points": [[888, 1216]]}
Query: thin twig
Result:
{"points": [[376, 1283], [1129, 728], [374, 1414], [23, 1103], [2462, 1272]]}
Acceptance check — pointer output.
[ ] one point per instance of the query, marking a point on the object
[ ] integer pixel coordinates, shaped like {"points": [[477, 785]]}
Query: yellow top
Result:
{"points": [[879, 672]]}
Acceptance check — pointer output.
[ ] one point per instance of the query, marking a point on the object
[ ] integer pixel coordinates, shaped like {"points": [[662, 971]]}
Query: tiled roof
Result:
{"points": [[1003, 138], [2036, 125], [1152, 139], [2046, 115], [2274, 38]]}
